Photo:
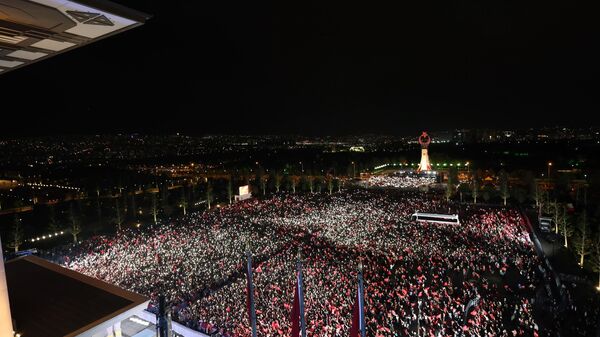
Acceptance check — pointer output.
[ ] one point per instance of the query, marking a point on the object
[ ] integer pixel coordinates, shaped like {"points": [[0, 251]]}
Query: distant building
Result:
{"points": [[357, 149], [464, 136]]}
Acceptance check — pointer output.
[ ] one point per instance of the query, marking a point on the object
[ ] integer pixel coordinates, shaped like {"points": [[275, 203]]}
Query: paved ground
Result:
{"points": [[580, 313]]}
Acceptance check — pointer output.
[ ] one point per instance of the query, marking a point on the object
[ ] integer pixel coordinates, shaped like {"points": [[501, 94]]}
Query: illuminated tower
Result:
{"points": [[424, 140]]}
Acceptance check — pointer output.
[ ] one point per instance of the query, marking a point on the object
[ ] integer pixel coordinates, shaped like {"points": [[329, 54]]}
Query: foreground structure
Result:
{"points": [[5, 317], [33, 30], [49, 300]]}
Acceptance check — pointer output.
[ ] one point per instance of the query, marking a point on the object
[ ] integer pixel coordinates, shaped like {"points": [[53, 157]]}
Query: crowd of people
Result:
{"points": [[401, 180], [421, 279]]}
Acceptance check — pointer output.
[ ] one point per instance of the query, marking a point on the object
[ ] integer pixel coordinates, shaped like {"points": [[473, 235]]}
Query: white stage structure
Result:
{"points": [[244, 193], [436, 218]]}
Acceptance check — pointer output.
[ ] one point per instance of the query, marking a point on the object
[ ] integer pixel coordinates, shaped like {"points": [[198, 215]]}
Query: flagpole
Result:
{"points": [[361, 301], [418, 317], [301, 295], [251, 291]]}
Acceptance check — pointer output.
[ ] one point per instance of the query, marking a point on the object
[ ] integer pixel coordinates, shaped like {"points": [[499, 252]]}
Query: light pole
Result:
{"points": [[549, 167], [353, 170]]}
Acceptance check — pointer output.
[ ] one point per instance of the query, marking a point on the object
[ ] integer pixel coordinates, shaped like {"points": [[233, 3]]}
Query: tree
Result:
{"points": [[559, 215], [339, 184], [311, 183], [536, 193], [330, 183], [278, 179], [52, 223], [16, 234], [209, 194], [319, 183], [566, 230], [542, 200], [192, 194], [118, 215], [475, 189], [258, 179], [164, 200], [295, 181], [230, 189], [98, 205], [582, 242], [547, 207], [504, 190], [263, 183], [595, 257], [184, 202], [75, 225], [449, 190], [154, 208], [351, 170]]}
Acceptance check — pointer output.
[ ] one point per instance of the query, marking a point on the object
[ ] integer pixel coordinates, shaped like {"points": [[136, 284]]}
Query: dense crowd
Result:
{"points": [[400, 180], [419, 277]]}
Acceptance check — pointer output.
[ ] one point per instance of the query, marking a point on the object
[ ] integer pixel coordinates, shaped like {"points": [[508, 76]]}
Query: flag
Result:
{"points": [[250, 296], [355, 328], [248, 300], [358, 317], [295, 315]]}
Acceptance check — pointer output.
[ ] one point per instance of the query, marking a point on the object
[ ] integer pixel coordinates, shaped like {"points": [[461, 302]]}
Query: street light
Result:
{"points": [[549, 167]]}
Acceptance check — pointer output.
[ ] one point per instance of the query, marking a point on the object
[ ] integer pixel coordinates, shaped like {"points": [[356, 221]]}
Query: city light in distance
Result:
{"points": [[47, 236], [40, 185]]}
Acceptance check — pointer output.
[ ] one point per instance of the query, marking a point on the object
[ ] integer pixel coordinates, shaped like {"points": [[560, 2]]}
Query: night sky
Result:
{"points": [[318, 67]]}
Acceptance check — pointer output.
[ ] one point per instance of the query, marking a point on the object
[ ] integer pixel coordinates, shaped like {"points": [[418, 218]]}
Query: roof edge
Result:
{"points": [[135, 298], [115, 8]]}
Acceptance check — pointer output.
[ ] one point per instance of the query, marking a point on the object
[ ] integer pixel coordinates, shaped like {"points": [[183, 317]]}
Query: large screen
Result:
{"points": [[244, 189]]}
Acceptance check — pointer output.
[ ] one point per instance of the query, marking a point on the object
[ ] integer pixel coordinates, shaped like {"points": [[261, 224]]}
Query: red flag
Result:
{"points": [[295, 315], [355, 329]]}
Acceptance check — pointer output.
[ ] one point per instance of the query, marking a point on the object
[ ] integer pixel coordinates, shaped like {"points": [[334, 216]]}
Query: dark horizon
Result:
{"points": [[317, 69], [409, 133]]}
